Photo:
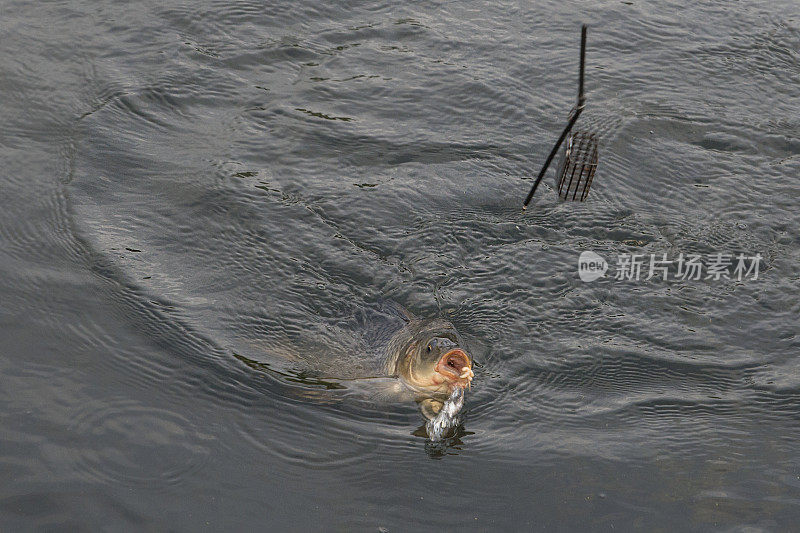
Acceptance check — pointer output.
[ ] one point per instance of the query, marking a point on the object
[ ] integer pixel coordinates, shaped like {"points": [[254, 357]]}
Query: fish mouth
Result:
{"points": [[456, 367]]}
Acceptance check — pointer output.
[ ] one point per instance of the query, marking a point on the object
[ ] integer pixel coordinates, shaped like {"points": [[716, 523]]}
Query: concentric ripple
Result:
{"points": [[124, 442]]}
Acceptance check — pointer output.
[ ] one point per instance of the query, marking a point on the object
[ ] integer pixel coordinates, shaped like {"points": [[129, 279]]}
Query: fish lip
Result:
{"points": [[453, 373]]}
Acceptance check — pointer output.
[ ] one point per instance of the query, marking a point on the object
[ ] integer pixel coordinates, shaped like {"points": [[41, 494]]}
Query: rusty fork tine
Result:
{"points": [[579, 160]]}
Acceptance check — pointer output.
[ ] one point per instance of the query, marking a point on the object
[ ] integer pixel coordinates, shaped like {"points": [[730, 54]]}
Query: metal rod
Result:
{"points": [[578, 110]]}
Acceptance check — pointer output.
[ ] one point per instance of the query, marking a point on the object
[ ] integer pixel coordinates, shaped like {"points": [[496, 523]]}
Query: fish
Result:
{"points": [[384, 352], [428, 356], [447, 418]]}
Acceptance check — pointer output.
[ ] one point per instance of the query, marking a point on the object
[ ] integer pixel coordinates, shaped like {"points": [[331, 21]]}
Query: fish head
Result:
{"points": [[436, 362]]}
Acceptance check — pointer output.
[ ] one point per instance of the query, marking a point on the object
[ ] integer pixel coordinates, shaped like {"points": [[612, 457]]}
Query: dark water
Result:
{"points": [[199, 201]]}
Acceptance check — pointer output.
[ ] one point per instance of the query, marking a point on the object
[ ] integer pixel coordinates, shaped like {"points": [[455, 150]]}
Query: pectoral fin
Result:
{"points": [[430, 407]]}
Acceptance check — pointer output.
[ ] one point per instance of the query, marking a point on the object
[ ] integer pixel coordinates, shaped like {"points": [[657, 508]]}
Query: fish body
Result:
{"points": [[386, 353]]}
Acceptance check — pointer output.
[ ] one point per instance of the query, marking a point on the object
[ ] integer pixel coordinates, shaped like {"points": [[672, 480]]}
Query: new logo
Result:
{"points": [[591, 266]]}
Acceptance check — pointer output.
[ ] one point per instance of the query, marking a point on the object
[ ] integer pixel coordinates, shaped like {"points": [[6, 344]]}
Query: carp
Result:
{"points": [[384, 352], [428, 357]]}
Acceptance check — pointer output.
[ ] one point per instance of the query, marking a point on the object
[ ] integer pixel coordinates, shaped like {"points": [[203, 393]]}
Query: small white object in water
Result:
{"points": [[447, 417]]}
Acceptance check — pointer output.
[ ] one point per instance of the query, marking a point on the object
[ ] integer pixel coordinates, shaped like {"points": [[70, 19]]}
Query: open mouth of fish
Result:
{"points": [[456, 367]]}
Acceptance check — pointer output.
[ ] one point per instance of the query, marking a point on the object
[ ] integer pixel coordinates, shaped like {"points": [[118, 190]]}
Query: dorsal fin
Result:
{"points": [[392, 307]]}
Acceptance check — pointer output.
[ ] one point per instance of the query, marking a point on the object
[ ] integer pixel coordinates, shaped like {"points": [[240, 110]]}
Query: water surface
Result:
{"points": [[202, 200]]}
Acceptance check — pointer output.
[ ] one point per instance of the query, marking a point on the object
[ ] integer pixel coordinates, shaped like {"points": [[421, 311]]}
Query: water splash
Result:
{"points": [[447, 418]]}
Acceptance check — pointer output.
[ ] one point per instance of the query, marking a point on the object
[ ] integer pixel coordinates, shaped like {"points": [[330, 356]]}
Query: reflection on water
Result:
{"points": [[203, 202]]}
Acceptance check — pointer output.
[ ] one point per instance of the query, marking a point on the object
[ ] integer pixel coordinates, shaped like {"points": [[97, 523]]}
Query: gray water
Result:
{"points": [[201, 201]]}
